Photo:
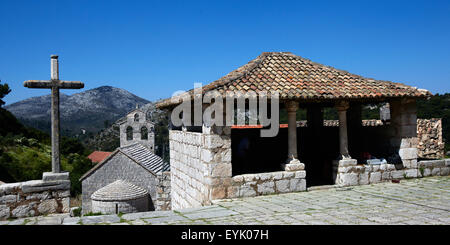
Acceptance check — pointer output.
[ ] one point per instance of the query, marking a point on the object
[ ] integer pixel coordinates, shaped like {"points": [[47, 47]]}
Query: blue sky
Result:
{"points": [[153, 48]]}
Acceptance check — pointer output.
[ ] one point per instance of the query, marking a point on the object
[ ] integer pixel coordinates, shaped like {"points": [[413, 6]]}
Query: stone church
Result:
{"points": [[127, 180]]}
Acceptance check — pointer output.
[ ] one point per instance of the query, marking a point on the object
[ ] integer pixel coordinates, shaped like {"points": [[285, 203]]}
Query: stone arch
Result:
{"points": [[144, 133], [136, 117], [129, 132]]}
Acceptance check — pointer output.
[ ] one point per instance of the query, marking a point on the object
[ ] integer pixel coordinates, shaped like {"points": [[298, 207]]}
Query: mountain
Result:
{"points": [[90, 110]]}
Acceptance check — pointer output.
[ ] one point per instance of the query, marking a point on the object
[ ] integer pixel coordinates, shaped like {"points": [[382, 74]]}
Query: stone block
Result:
{"points": [[383, 167], [363, 178], [426, 172], [447, 162], [218, 193], [10, 188], [438, 163], [398, 174], [232, 191], [249, 177], [212, 141], [406, 163], [266, 188], [300, 174], [297, 184], [411, 173], [23, 211], [436, 172], [47, 206], [445, 171], [294, 167], [207, 155], [390, 167], [65, 205], [408, 153], [39, 185], [8, 199], [4, 212], [39, 196], [288, 175], [386, 175], [221, 170], [283, 186], [226, 155], [375, 177], [247, 191], [238, 179], [348, 179], [375, 168], [409, 142], [265, 176], [277, 175], [49, 176], [344, 169], [347, 162]]}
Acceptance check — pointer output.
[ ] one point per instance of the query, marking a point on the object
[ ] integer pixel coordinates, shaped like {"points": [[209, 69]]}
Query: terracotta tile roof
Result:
{"points": [[98, 156], [298, 78]]}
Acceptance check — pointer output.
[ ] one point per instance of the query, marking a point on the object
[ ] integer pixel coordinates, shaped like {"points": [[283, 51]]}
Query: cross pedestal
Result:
{"points": [[55, 85]]}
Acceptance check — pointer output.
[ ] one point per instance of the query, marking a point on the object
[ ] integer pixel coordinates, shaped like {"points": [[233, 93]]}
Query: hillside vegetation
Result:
{"points": [[25, 153]]}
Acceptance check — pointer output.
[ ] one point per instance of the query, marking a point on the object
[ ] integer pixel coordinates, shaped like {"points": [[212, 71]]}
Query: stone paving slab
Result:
{"points": [[410, 202]]}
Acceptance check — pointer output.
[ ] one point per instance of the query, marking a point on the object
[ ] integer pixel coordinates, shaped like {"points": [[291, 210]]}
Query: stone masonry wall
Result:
{"points": [[163, 199], [429, 132], [35, 197], [126, 206], [248, 185], [372, 174], [200, 166], [188, 188]]}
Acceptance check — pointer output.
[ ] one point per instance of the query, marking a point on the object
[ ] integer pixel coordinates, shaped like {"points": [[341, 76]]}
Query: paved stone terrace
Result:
{"points": [[413, 201]]}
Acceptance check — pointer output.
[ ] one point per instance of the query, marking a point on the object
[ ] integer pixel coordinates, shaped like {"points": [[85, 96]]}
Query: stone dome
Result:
{"points": [[119, 190]]}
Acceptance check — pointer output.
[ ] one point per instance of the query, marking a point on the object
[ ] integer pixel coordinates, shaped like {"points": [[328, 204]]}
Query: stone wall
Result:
{"points": [[163, 199], [372, 174], [118, 167], [248, 185], [429, 132], [115, 207], [35, 197], [188, 170], [434, 168], [200, 166]]}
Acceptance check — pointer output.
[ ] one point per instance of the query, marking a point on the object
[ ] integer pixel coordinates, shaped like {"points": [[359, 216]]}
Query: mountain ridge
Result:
{"points": [[89, 110]]}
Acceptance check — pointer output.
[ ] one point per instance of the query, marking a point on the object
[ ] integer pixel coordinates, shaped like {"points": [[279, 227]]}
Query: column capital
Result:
{"points": [[291, 105], [342, 105]]}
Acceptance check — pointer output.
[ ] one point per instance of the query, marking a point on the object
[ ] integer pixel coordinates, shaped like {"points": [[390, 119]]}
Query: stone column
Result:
{"points": [[292, 163], [343, 137], [341, 177], [404, 123]]}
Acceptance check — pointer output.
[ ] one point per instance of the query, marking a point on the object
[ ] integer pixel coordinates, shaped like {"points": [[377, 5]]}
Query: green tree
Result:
{"points": [[4, 90]]}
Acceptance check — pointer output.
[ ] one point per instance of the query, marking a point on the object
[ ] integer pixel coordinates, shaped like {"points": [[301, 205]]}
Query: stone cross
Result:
{"points": [[55, 85]]}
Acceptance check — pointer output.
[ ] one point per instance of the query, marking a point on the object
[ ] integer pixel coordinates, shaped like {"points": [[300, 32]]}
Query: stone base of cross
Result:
{"points": [[55, 85]]}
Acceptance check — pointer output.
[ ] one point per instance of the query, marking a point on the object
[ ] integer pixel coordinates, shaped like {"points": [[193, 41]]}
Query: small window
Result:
{"points": [[144, 133], [129, 133], [136, 117]]}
